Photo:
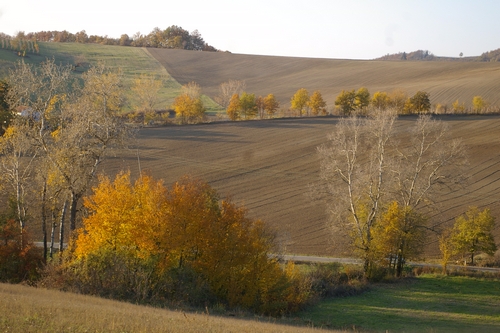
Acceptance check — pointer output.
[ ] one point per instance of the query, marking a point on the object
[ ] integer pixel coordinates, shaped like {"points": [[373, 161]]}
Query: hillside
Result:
{"points": [[269, 165], [446, 81], [29, 309], [132, 61]]}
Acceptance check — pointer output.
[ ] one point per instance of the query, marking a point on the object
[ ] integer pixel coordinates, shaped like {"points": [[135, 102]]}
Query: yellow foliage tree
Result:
{"points": [[458, 107], [188, 228], [398, 236], [317, 104], [300, 101], [478, 104], [381, 100], [472, 233], [188, 109], [123, 217]]}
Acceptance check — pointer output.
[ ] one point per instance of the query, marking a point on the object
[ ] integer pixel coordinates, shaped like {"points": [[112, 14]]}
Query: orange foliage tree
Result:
{"points": [[189, 228]]}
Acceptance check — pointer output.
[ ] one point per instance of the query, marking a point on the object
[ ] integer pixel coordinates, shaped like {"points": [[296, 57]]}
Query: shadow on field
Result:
{"points": [[188, 132]]}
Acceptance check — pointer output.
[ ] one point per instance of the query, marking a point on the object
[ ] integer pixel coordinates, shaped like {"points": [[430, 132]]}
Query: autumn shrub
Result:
{"points": [[335, 280], [20, 260], [147, 243], [114, 274]]}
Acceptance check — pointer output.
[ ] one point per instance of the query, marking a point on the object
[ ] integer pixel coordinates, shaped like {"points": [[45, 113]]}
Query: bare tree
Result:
{"points": [[353, 170], [146, 88], [72, 126], [227, 90], [89, 126], [17, 159], [430, 163], [364, 167], [192, 89]]}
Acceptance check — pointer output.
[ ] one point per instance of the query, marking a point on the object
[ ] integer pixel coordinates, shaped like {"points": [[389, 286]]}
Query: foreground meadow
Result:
{"points": [[428, 303], [26, 309]]}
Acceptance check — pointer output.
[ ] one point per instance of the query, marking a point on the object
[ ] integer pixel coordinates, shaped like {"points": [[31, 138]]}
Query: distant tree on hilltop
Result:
{"points": [[174, 37]]}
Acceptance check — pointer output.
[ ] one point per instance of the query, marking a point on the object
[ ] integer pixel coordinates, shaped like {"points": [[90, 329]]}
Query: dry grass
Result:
{"points": [[26, 309], [269, 165], [283, 76]]}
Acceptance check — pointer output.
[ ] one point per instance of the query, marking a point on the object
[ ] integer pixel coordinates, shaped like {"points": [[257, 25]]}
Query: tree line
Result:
{"points": [[241, 105], [173, 37]]}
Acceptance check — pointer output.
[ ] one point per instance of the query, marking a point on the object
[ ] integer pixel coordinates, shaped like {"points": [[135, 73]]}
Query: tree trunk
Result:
{"points": [[44, 221], [73, 209], [61, 227], [52, 235]]}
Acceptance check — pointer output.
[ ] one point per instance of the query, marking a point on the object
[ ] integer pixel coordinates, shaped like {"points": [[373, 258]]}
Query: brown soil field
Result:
{"points": [[269, 165], [445, 81]]}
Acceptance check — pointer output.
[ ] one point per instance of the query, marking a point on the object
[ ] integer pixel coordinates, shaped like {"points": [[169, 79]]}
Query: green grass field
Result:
{"points": [[131, 61], [430, 303]]}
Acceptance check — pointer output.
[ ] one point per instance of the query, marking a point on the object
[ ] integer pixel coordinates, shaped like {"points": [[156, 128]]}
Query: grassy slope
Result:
{"points": [[26, 309], [283, 76], [132, 61], [429, 304]]}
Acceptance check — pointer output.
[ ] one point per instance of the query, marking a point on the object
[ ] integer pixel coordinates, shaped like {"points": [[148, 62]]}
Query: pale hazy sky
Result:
{"points": [[347, 29]]}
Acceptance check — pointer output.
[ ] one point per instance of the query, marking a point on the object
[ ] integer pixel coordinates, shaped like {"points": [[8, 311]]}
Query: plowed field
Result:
{"points": [[445, 81], [268, 166]]}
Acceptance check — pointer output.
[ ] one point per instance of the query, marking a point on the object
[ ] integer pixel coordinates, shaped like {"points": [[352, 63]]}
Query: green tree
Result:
{"points": [[418, 103], [346, 101], [472, 233], [317, 104], [248, 106], [299, 101], [362, 99]]}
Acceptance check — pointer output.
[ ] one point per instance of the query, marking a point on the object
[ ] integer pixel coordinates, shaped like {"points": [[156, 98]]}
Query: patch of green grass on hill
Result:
{"points": [[132, 61], [430, 303]]}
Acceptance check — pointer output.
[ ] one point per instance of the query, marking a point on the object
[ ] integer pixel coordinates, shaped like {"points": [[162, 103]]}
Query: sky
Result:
{"points": [[339, 29]]}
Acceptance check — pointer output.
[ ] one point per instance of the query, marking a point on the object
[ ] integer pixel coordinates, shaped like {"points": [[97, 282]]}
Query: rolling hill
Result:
{"points": [[269, 165], [445, 81]]}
